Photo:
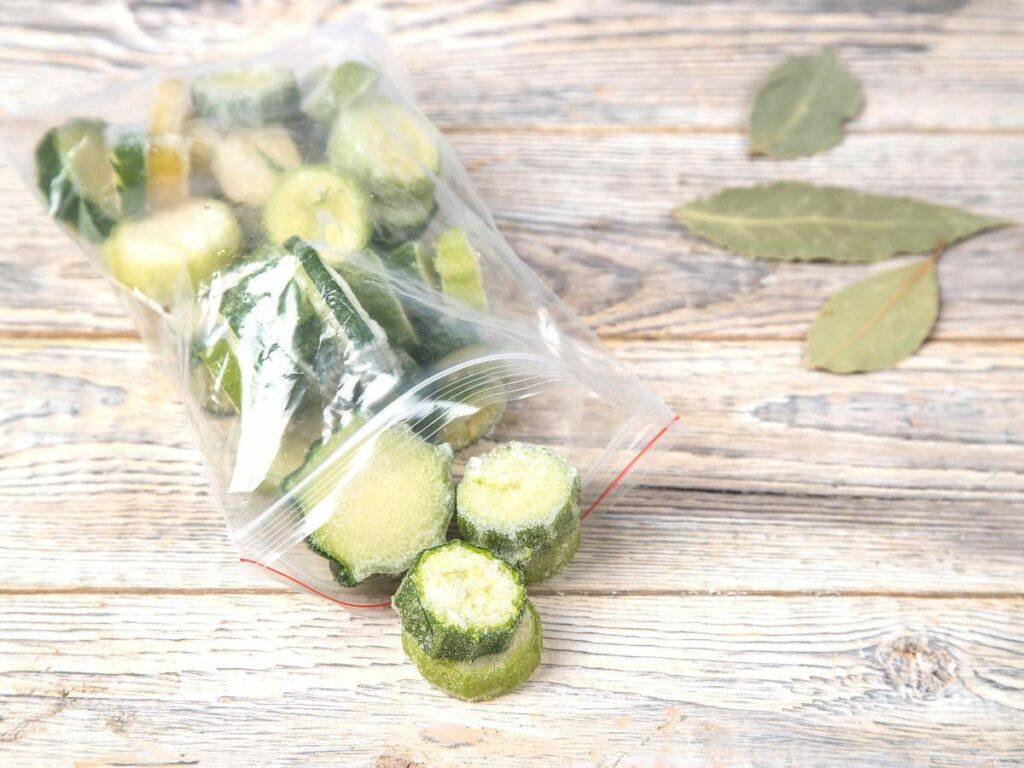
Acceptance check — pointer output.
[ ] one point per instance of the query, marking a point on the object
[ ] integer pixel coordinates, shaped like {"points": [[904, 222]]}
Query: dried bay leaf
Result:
{"points": [[794, 221], [876, 322], [803, 105]]}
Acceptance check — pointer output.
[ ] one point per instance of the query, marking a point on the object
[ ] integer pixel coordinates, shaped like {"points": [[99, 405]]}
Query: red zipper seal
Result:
{"points": [[603, 495]]}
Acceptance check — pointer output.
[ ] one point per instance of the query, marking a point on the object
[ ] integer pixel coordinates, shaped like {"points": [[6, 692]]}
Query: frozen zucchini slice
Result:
{"points": [[385, 146], [458, 268], [469, 403], [400, 217], [128, 159], [249, 97], [488, 676], [319, 205], [217, 376], [75, 174], [551, 560], [336, 88], [413, 261], [247, 163], [148, 254], [368, 277], [460, 602], [378, 504], [517, 500]]}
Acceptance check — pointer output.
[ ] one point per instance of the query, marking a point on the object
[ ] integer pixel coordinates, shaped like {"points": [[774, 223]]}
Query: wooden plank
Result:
{"points": [[907, 480], [692, 67], [601, 234], [103, 680]]}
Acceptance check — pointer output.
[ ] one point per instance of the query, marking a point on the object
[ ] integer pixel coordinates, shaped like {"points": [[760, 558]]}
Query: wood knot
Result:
{"points": [[396, 761], [918, 667]]}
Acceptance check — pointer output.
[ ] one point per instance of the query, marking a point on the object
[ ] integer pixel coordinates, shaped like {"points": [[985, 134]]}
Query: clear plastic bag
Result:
{"points": [[302, 249]]}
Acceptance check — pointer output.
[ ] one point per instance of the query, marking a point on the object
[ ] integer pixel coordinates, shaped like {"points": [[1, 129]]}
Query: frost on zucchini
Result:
{"points": [[461, 602], [486, 677], [377, 503], [522, 501], [248, 97]]}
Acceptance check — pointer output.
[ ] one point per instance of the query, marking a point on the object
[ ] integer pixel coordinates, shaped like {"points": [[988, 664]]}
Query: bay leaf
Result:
{"points": [[876, 322], [803, 105], [794, 221]]}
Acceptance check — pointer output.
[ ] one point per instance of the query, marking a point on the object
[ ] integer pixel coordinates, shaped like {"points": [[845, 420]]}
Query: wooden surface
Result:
{"points": [[825, 571]]}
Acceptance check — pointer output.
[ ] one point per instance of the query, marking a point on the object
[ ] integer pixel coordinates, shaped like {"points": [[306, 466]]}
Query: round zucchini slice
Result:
{"points": [[551, 560], [470, 401], [489, 676], [381, 502], [319, 205], [247, 163], [147, 254], [458, 267], [461, 602], [251, 96], [519, 500]]}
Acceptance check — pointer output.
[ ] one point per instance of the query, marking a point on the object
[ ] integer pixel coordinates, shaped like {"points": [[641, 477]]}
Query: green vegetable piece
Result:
{"points": [[337, 88], [220, 376], [551, 560], [794, 221], [247, 97], [75, 174], [248, 162], [413, 260], [369, 280], [469, 403], [460, 602], [128, 160], [517, 500], [803, 105], [377, 503], [148, 253], [876, 322], [488, 676], [319, 205], [401, 216], [458, 268]]}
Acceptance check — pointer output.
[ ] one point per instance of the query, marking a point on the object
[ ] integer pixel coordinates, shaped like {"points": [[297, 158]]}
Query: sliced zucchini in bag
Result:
{"points": [[367, 276], [128, 159], [519, 500], [317, 204], [336, 88], [149, 253], [468, 403], [401, 216], [248, 97], [168, 169], [486, 677], [377, 505], [75, 174], [248, 162], [458, 267], [413, 260], [460, 602]]}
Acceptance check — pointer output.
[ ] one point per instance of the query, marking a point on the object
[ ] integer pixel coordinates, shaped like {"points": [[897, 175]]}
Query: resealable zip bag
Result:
{"points": [[303, 251]]}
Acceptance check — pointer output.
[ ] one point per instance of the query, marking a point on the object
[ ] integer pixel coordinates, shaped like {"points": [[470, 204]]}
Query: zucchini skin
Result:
{"points": [[551, 560], [128, 157], [259, 106], [438, 638], [458, 268], [488, 676]]}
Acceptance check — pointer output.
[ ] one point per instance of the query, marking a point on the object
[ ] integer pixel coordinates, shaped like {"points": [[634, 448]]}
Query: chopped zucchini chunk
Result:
{"points": [[247, 162], [320, 205], [469, 403], [518, 500], [337, 88], [461, 602], [252, 97], [458, 267], [369, 279], [377, 504], [489, 676], [385, 146], [76, 176], [149, 254]]}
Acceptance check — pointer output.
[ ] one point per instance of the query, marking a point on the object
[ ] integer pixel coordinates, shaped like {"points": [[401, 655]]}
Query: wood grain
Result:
{"points": [[627, 681], [886, 482]]}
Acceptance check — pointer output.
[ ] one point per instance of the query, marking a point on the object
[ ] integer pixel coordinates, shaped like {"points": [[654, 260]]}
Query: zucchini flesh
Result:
{"points": [[468, 404], [384, 145], [167, 154], [317, 204], [248, 97], [518, 499], [75, 174], [337, 88], [458, 268], [247, 163], [486, 677], [413, 261], [378, 504], [400, 217], [149, 254], [460, 602]]}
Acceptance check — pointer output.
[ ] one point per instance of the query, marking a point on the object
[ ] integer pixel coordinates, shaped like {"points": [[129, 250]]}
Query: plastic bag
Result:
{"points": [[302, 249]]}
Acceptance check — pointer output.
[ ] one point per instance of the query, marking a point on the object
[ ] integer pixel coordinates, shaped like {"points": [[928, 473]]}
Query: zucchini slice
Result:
{"points": [[468, 404], [148, 254], [378, 504], [400, 217], [460, 602], [385, 146], [517, 500], [366, 274], [551, 560], [167, 170], [318, 204], [488, 676], [249, 97], [337, 88], [248, 162], [75, 174], [128, 160], [458, 267], [412, 260]]}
